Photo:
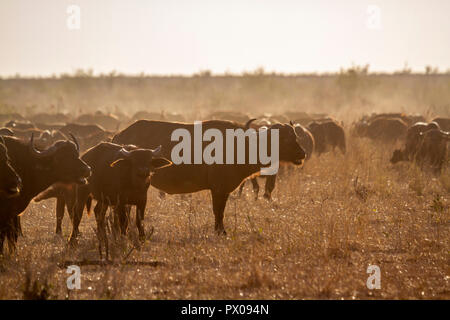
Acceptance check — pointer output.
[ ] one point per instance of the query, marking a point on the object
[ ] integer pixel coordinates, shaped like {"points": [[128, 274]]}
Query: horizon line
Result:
{"points": [[89, 73]]}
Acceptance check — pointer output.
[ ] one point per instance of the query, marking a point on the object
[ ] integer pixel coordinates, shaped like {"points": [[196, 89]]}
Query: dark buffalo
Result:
{"points": [[81, 130], [94, 139], [6, 132], [10, 182], [444, 123], [328, 134], [50, 118], [20, 125], [413, 139], [385, 130], [108, 121], [88, 135], [44, 138], [220, 179], [408, 119], [11, 116], [26, 134], [38, 170], [49, 126], [431, 150]]}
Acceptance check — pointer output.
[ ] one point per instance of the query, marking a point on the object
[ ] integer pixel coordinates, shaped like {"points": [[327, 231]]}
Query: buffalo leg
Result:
{"points": [[140, 212], [255, 185], [82, 195], [100, 216], [10, 230], [343, 148], [70, 199], [116, 222], [219, 201], [2, 239], [121, 215], [60, 205], [270, 186]]}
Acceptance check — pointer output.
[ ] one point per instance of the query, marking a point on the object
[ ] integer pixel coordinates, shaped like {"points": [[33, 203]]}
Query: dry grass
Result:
{"points": [[315, 240], [346, 95]]}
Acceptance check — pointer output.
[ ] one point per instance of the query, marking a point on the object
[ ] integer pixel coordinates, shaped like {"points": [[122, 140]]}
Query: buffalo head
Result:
{"points": [[138, 164], [61, 161], [289, 144]]}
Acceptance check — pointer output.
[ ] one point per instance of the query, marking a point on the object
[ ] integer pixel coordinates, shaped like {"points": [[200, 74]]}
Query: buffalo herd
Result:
{"points": [[113, 159]]}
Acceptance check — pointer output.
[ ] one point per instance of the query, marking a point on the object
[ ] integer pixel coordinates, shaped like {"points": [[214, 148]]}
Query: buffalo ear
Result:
{"points": [[159, 163], [117, 162]]}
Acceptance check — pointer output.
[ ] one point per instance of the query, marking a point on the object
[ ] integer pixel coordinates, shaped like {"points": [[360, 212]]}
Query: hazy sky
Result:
{"points": [[185, 36]]}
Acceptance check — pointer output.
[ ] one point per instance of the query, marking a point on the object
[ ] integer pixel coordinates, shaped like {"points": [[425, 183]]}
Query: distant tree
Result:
{"points": [[430, 70]]}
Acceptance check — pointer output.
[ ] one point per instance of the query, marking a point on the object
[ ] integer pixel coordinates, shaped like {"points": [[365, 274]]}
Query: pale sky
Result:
{"points": [[185, 36]]}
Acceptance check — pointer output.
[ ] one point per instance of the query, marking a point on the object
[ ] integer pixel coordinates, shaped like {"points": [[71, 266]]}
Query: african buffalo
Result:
{"points": [[413, 140], [20, 125], [6, 132], [444, 123], [220, 179], [431, 150], [385, 130], [38, 170], [88, 134], [408, 119], [108, 121], [327, 134], [44, 138], [10, 182], [50, 118], [49, 126], [81, 129], [11, 116]]}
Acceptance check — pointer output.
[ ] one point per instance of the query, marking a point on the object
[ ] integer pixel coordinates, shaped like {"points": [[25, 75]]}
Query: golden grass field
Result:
{"points": [[345, 95], [315, 240], [327, 223]]}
